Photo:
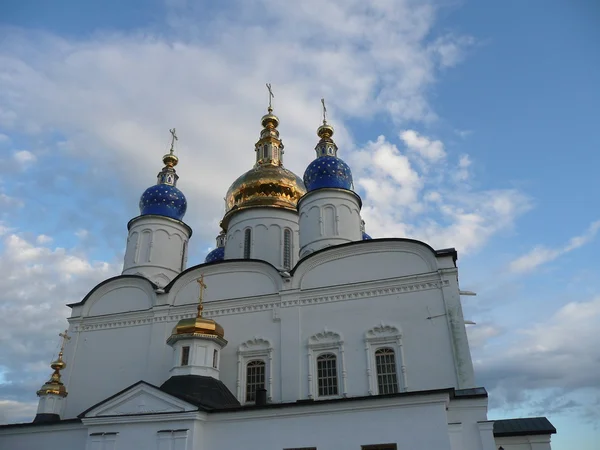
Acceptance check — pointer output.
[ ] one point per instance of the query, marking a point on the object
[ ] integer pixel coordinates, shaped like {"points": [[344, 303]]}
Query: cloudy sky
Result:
{"points": [[467, 124]]}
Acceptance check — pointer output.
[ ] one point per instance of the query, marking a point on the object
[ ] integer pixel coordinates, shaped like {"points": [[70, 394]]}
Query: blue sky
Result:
{"points": [[467, 124]]}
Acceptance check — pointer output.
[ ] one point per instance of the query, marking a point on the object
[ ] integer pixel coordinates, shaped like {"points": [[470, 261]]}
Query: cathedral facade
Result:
{"points": [[298, 331]]}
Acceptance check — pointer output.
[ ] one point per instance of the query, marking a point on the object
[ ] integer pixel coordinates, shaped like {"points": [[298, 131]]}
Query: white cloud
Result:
{"points": [[542, 255], [36, 284], [552, 357], [412, 200], [431, 150], [43, 239], [24, 157], [114, 96]]}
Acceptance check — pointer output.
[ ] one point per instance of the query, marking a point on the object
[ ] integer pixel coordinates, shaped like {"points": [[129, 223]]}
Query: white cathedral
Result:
{"points": [[298, 332]]}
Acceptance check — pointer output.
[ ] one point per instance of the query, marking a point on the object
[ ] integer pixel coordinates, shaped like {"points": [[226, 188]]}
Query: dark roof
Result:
{"points": [[457, 394], [39, 424], [207, 392], [523, 427], [213, 396]]}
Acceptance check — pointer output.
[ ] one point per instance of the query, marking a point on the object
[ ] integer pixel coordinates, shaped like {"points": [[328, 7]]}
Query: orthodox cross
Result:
{"points": [[271, 96], [65, 337], [173, 139], [324, 110], [202, 286]]}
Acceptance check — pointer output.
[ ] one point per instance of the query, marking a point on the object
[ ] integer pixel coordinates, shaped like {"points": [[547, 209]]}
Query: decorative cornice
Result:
{"points": [[241, 306]]}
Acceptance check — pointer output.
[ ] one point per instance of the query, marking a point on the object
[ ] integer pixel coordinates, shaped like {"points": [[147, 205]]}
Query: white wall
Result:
{"points": [[250, 299], [267, 226], [47, 437], [156, 248], [328, 217], [524, 442]]}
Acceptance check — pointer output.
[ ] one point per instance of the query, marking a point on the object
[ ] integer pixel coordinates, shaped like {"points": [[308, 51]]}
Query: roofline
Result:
{"points": [[180, 222], [122, 391], [438, 253], [39, 424], [452, 392], [168, 287], [108, 280], [330, 189]]}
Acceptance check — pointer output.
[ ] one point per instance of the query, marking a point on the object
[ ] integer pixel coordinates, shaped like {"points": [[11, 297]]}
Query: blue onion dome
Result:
{"points": [[327, 171], [366, 237], [218, 254], [164, 199]]}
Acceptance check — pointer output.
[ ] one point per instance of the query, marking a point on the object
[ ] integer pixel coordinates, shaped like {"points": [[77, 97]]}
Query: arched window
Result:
{"points": [[327, 378], [385, 363], [275, 153], [255, 378], [265, 152], [287, 249], [247, 243]]}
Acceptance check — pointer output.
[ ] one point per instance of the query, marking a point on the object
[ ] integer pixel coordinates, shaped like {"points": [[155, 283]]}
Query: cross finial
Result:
{"points": [[324, 111], [65, 337], [173, 139], [271, 97], [202, 286]]}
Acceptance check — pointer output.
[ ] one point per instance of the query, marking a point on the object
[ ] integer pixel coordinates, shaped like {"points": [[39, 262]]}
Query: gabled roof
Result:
{"points": [[207, 392], [523, 427]]}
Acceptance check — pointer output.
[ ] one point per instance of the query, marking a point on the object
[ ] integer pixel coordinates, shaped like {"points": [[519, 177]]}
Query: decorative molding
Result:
{"points": [[326, 341], [325, 338], [380, 336], [419, 249], [238, 307], [255, 348]]}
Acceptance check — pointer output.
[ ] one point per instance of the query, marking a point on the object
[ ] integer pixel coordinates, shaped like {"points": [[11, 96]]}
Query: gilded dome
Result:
{"points": [[265, 185], [268, 183], [198, 325]]}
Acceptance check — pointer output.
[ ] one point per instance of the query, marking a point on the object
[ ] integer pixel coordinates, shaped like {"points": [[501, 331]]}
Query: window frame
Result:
{"points": [[184, 360], [247, 243], [257, 348], [381, 376], [262, 364], [385, 336], [287, 248], [318, 344], [318, 359]]}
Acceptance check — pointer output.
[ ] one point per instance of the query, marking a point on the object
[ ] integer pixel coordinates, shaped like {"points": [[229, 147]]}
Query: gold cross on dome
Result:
{"points": [[324, 110], [202, 286], [173, 139], [65, 337], [271, 96]]}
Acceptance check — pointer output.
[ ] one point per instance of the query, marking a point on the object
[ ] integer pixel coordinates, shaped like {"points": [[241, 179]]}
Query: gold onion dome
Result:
{"points": [[170, 160], [54, 385], [268, 183], [199, 325]]}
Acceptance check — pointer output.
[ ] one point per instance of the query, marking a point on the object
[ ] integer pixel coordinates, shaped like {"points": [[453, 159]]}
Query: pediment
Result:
{"points": [[141, 398]]}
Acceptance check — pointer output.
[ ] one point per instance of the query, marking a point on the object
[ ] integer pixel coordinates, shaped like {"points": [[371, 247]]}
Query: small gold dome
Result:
{"points": [[170, 160], [325, 131], [198, 325], [59, 364], [270, 120], [54, 385], [264, 186]]}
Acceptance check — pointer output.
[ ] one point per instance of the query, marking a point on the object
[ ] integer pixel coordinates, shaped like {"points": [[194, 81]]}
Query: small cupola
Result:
{"points": [[52, 394], [197, 343]]}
